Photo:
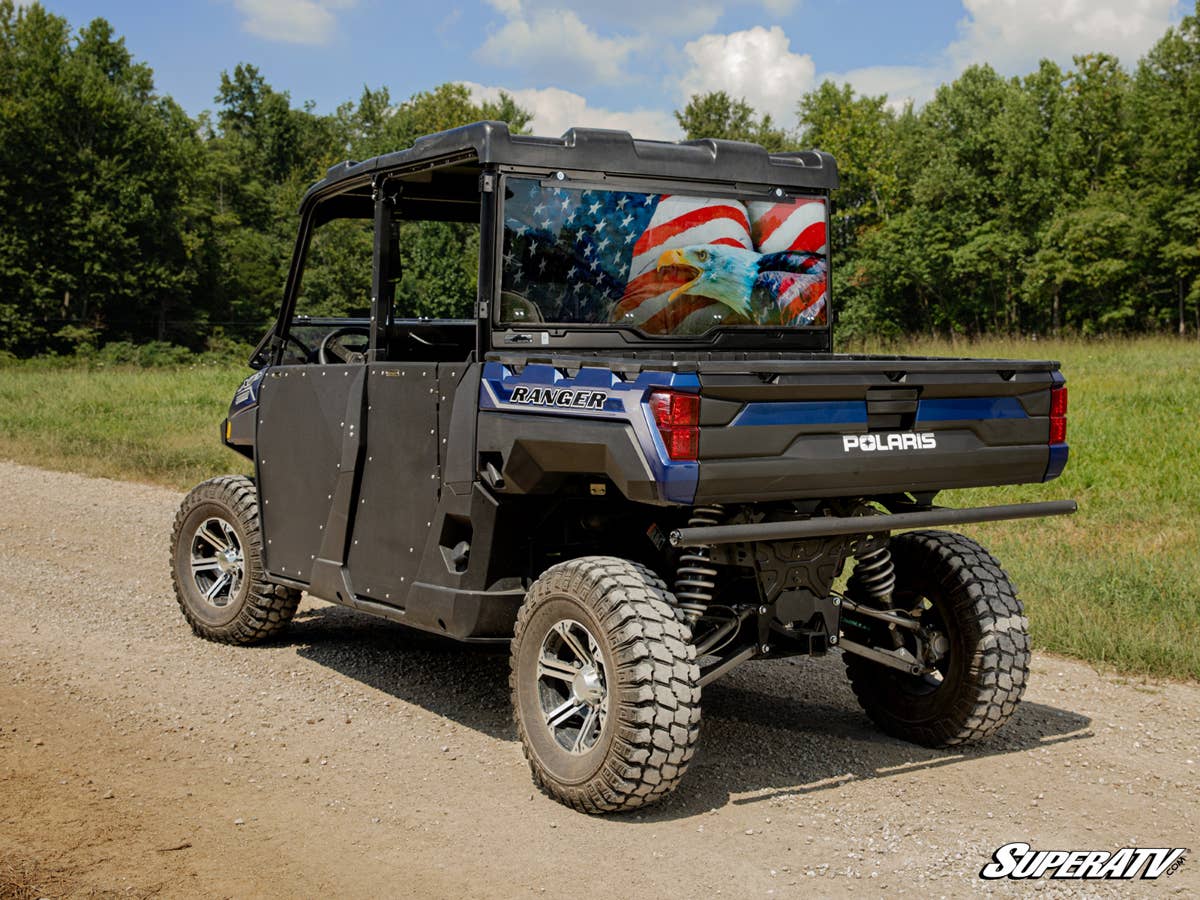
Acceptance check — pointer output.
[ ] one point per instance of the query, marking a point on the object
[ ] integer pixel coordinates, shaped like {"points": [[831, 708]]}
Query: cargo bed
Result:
{"points": [[813, 426]]}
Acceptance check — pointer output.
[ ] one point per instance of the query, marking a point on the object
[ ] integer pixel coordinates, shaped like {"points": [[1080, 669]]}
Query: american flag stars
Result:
{"points": [[568, 250]]}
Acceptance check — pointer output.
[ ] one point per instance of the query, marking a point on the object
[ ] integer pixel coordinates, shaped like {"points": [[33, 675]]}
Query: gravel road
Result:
{"points": [[356, 758]]}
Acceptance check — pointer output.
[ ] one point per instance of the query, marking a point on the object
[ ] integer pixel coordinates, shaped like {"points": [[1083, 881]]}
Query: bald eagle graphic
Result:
{"points": [[786, 289]]}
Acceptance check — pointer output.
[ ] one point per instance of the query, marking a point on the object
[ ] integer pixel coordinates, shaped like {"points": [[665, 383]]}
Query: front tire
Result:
{"points": [[956, 586], [217, 565], [604, 685]]}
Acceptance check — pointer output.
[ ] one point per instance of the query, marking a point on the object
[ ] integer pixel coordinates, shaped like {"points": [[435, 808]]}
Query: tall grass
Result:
{"points": [[1117, 584], [160, 425]]}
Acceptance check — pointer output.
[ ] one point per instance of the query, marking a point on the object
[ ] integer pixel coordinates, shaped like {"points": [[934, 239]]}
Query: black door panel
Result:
{"points": [[306, 443], [400, 480]]}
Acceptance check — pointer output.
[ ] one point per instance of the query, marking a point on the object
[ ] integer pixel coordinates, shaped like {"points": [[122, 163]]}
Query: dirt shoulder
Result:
{"points": [[357, 758]]}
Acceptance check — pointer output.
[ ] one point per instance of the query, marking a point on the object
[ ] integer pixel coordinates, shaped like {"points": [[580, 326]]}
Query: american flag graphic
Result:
{"points": [[592, 256], [796, 225], [679, 222]]}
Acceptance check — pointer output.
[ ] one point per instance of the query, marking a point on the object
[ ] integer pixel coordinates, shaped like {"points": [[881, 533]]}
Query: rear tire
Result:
{"points": [[217, 565], [983, 675], [604, 685]]}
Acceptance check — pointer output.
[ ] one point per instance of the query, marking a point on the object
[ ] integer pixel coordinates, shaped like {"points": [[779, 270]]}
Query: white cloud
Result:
{"points": [[547, 41], [657, 17], [510, 8], [291, 21], [756, 64], [610, 42], [555, 110], [1009, 35], [551, 42], [1012, 35]]}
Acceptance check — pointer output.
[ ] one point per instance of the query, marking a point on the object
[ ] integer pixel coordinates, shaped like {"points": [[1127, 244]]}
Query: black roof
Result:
{"points": [[603, 150]]}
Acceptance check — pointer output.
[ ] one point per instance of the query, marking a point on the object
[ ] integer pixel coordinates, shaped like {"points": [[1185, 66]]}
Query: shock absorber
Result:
{"points": [[695, 576], [874, 577]]}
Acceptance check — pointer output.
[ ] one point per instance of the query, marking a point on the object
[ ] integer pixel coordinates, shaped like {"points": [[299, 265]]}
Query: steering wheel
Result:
{"points": [[334, 350]]}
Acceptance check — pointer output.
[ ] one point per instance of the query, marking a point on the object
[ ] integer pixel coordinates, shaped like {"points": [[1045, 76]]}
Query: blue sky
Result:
{"points": [[613, 63]]}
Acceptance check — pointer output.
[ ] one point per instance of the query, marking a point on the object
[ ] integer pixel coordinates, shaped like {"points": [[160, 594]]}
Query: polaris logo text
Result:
{"points": [[896, 440], [1018, 860], [560, 397]]}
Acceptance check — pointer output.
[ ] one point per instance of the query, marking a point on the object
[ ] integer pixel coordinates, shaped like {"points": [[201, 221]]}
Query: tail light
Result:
{"points": [[1058, 414], [677, 416]]}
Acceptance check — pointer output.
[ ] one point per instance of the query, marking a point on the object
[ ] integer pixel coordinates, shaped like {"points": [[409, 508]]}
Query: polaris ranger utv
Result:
{"points": [[637, 459]]}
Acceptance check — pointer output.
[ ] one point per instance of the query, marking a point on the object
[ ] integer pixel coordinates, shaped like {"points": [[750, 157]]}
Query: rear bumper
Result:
{"points": [[826, 526]]}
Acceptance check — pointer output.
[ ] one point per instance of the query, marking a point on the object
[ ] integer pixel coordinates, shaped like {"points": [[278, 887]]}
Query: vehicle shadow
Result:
{"points": [[771, 729]]}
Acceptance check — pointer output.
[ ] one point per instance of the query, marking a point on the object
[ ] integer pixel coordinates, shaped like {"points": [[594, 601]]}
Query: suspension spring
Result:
{"points": [[695, 576], [874, 577]]}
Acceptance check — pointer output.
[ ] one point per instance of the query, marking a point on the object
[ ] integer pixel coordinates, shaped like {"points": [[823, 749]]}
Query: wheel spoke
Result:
{"points": [[204, 564], [585, 730], [569, 638], [211, 537], [572, 685], [564, 711], [215, 587], [551, 667]]}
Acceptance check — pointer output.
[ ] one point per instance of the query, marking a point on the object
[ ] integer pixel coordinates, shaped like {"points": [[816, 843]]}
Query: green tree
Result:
{"points": [[1090, 266], [864, 136], [1178, 235], [94, 169], [506, 109], [1165, 105], [717, 115]]}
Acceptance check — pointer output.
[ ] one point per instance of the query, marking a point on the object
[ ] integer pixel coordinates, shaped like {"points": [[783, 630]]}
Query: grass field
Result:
{"points": [[1118, 584], [159, 425]]}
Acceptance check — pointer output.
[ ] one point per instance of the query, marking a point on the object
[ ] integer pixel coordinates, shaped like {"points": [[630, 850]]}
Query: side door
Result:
{"points": [[311, 406], [417, 359], [307, 451], [400, 483]]}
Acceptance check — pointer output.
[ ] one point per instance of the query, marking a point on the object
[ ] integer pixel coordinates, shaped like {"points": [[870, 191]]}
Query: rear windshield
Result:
{"points": [[664, 264]]}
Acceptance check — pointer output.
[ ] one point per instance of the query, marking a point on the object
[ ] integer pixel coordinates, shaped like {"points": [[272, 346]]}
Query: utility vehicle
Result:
{"points": [[635, 457]]}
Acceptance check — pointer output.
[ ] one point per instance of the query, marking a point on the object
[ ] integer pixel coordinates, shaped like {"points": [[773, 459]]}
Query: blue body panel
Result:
{"points": [[1058, 461], [851, 412], [803, 412], [626, 402], [247, 393], [960, 409]]}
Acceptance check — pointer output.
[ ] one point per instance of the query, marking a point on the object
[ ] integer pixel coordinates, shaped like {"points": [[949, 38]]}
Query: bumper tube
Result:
{"points": [[827, 526]]}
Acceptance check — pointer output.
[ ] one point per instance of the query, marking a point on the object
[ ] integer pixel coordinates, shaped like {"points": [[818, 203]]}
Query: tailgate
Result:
{"points": [[860, 426]]}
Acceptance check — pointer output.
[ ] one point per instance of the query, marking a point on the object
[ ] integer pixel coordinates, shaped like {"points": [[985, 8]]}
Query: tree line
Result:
{"points": [[1061, 201], [124, 219], [1064, 201]]}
